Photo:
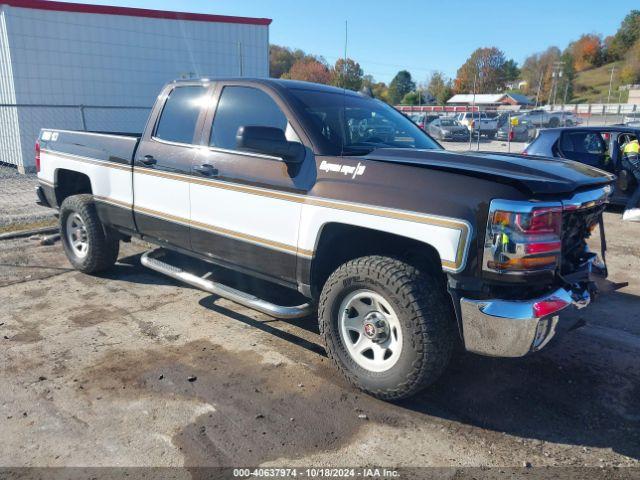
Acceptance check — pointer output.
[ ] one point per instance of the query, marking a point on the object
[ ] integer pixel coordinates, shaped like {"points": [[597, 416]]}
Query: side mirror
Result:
{"points": [[269, 141]]}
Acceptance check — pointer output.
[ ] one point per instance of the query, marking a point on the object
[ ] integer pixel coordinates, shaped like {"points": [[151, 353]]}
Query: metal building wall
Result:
{"points": [[62, 60]]}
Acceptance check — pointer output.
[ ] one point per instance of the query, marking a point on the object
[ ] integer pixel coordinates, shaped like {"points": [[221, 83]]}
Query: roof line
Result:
{"points": [[132, 12]]}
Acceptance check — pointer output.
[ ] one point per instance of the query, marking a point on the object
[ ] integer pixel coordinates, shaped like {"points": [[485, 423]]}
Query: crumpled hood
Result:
{"points": [[539, 175]]}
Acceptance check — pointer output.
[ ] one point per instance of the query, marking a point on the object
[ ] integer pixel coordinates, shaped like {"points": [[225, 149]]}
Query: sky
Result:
{"points": [[419, 36]]}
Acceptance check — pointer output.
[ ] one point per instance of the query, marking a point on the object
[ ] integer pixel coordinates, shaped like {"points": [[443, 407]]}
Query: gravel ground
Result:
{"points": [[131, 369]]}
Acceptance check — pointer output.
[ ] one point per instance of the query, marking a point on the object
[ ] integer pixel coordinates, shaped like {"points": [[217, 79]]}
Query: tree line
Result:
{"points": [[487, 70]]}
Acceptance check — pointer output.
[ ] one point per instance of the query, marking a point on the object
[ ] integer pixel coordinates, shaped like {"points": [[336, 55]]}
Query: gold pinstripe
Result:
{"points": [[459, 225]]}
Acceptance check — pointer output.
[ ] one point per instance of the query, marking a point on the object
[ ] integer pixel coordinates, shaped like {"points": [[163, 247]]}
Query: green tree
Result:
{"points": [[485, 66], [440, 88], [510, 71], [401, 84], [347, 74], [631, 71], [417, 97], [626, 36], [281, 60]]}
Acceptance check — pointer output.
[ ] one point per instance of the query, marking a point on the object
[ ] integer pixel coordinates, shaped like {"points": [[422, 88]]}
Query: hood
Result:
{"points": [[538, 175], [455, 128]]}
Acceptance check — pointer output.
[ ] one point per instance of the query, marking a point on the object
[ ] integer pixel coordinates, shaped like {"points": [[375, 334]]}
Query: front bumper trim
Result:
{"points": [[511, 328]]}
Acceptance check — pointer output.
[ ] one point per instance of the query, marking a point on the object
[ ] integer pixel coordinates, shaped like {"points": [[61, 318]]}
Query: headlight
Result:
{"points": [[446, 132], [522, 237]]}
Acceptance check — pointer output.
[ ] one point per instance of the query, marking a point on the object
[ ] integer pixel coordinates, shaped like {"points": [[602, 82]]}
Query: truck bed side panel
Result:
{"points": [[104, 158]]}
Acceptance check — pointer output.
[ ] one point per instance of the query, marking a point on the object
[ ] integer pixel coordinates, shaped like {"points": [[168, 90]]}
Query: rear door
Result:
{"points": [[245, 209], [163, 164]]}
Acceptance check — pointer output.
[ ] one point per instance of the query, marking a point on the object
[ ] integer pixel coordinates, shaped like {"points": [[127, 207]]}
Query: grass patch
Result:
{"points": [[19, 227], [592, 86]]}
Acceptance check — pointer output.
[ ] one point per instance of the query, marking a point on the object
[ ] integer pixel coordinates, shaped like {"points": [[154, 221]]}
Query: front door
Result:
{"points": [[163, 165], [245, 208]]}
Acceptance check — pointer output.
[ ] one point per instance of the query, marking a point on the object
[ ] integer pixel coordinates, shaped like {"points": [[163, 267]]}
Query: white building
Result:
{"points": [[77, 66]]}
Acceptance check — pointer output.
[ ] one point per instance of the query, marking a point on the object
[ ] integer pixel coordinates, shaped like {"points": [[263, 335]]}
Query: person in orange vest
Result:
{"points": [[631, 157]]}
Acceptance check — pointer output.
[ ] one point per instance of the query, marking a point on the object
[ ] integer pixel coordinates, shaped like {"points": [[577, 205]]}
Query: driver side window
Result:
{"points": [[245, 106]]}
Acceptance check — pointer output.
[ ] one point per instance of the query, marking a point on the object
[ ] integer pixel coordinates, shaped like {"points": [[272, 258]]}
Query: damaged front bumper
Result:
{"points": [[513, 328]]}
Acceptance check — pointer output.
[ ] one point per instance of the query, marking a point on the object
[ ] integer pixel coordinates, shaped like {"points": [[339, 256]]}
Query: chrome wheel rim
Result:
{"points": [[370, 330], [77, 237]]}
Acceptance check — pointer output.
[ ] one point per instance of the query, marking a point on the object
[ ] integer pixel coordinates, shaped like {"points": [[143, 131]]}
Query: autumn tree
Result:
{"points": [[440, 88], [347, 74], [485, 66], [401, 84], [586, 52], [537, 70], [309, 70]]}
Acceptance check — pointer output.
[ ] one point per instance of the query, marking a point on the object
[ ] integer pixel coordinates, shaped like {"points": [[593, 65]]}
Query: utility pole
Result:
{"points": [[613, 69], [473, 106], [539, 87], [556, 75]]}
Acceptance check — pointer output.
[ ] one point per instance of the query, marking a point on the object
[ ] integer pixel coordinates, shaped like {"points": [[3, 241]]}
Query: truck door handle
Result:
{"points": [[206, 169], [148, 160]]}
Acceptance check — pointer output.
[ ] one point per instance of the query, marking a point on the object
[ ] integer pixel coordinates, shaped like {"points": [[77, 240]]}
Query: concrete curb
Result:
{"points": [[28, 233]]}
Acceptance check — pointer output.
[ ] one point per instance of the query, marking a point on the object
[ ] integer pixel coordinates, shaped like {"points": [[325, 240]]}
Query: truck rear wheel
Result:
{"points": [[386, 325], [89, 246]]}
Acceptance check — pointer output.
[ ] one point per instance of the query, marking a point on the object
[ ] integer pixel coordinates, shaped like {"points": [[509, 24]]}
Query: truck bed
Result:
{"points": [[101, 146]]}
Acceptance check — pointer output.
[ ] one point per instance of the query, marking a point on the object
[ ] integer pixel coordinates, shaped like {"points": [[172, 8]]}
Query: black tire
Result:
{"points": [[554, 122], [424, 312], [103, 243]]}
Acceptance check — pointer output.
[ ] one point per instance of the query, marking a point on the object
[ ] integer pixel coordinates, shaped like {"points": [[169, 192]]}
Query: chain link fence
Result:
{"points": [[20, 125]]}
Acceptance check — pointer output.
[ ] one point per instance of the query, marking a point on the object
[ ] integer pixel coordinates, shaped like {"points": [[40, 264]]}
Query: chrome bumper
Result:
{"points": [[508, 328]]}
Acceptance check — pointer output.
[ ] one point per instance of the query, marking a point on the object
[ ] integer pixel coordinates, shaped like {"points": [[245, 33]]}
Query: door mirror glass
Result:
{"points": [[269, 141]]}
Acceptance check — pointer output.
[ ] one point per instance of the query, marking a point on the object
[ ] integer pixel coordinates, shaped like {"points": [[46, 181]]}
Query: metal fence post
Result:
{"points": [[84, 121], [509, 132]]}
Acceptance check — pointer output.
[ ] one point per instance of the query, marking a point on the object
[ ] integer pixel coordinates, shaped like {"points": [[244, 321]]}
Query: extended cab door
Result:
{"points": [[162, 164], [245, 209]]}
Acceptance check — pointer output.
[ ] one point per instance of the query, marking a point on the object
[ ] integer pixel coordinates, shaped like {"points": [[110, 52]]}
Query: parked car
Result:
{"points": [[599, 147], [478, 123], [631, 118], [395, 245], [447, 128], [515, 129], [423, 119], [544, 118]]}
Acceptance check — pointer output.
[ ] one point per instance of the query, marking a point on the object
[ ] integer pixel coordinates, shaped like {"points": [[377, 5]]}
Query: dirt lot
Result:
{"points": [[132, 369]]}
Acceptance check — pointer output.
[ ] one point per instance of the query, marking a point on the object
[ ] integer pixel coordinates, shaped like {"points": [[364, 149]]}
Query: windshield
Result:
{"points": [[448, 122], [349, 124]]}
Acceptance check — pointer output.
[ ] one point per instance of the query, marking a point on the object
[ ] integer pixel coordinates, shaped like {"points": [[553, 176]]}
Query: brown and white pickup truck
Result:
{"points": [[401, 248]]}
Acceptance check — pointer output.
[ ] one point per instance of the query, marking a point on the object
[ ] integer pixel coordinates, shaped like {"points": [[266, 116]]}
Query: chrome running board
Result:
{"points": [[150, 260]]}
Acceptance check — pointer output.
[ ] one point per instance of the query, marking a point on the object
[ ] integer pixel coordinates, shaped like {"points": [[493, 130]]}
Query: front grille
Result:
{"points": [[576, 227]]}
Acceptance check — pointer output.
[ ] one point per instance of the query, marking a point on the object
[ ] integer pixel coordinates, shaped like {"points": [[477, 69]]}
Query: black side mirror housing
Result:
{"points": [[269, 141]]}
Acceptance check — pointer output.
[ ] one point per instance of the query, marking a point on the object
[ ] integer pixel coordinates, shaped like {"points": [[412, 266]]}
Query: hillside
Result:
{"points": [[592, 86]]}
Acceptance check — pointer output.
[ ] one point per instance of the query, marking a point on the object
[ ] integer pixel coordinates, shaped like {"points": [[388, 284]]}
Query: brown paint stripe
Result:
{"points": [[334, 204]]}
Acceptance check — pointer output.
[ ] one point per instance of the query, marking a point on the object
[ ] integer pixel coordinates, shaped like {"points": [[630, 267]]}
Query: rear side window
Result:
{"points": [[180, 114], [241, 107]]}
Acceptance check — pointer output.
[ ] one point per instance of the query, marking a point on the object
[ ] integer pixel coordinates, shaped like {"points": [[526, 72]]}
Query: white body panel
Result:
{"points": [[108, 180], [272, 220]]}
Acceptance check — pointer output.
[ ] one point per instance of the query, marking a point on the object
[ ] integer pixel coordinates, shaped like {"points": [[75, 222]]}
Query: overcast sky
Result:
{"points": [[420, 36]]}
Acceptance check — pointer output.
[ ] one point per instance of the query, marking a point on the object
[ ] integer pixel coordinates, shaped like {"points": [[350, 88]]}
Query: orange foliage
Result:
{"points": [[587, 51]]}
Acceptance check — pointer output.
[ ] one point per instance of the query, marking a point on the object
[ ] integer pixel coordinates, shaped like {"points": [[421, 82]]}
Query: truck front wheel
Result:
{"points": [[89, 246], [387, 325]]}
